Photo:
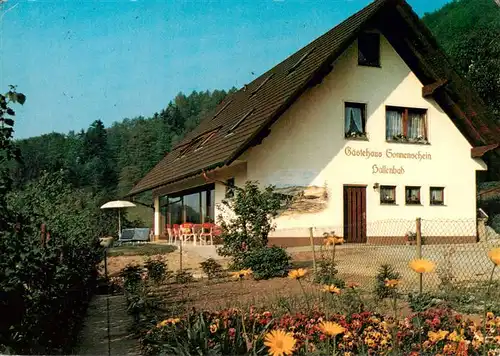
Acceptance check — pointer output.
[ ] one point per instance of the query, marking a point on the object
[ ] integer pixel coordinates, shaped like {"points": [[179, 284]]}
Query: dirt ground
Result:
{"points": [[190, 261]]}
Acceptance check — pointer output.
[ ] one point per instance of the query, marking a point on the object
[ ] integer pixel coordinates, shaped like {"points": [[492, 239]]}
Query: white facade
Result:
{"points": [[307, 147]]}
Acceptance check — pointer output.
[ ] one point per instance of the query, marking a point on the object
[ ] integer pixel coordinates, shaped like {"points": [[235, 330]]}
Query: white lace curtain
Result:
{"points": [[353, 120], [394, 123], [416, 127]]}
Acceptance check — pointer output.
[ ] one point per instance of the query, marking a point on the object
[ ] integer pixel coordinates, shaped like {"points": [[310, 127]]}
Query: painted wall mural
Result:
{"points": [[304, 199]]}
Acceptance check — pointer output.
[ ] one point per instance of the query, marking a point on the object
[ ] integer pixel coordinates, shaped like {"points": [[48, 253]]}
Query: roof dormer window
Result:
{"points": [[369, 49]]}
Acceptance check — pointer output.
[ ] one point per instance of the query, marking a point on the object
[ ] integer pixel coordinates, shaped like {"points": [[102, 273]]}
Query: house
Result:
{"points": [[369, 122]]}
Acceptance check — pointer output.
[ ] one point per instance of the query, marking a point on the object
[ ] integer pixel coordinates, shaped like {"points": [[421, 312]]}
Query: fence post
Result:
{"points": [[311, 240], [419, 250], [180, 256]]}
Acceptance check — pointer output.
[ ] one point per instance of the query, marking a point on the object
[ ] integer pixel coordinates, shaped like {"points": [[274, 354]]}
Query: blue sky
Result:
{"points": [[79, 61]]}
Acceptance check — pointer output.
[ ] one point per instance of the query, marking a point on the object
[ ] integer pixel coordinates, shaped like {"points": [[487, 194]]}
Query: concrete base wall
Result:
{"points": [[373, 240]]}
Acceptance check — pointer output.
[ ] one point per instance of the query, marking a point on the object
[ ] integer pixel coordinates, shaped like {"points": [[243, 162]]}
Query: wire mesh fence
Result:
{"points": [[458, 248]]}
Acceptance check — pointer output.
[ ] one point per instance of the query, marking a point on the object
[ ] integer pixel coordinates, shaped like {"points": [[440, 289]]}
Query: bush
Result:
{"points": [[183, 277], [327, 274], [385, 272], [211, 268], [132, 275], [157, 269], [253, 210], [267, 262]]}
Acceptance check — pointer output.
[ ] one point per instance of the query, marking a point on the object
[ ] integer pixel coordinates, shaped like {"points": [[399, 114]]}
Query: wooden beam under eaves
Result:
{"points": [[429, 89]]}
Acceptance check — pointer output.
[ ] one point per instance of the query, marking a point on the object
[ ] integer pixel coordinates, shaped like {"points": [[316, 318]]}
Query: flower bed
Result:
{"points": [[233, 331], [341, 324]]}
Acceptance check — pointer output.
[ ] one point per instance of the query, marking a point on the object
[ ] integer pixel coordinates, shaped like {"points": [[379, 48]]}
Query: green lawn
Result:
{"points": [[141, 250]]}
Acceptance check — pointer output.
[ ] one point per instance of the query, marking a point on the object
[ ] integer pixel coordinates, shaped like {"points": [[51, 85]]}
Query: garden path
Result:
{"points": [[94, 336]]}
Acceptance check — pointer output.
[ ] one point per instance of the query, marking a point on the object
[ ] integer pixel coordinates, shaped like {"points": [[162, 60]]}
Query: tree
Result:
{"points": [[99, 171], [9, 153], [247, 219]]}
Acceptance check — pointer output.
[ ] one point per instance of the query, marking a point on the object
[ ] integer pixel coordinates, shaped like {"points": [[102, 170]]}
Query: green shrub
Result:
{"points": [[157, 269], [421, 302], [183, 277], [253, 209], [132, 276], [327, 274], [267, 262], [385, 272], [211, 268]]}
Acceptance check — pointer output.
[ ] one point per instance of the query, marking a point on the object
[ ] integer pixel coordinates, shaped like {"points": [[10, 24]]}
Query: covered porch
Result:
{"points": [[187, 211]]}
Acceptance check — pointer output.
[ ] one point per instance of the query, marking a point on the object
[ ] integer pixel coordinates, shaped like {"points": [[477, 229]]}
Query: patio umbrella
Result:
{"points": [[118, 204]]}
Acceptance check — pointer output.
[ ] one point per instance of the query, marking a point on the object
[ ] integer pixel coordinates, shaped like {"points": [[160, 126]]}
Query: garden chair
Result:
{"points": [[187, 232], [206, 232], [176, 230], [170, 234]]}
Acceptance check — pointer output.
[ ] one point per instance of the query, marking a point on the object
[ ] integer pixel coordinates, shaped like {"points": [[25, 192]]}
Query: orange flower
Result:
{"points": [[494, 255], [331, 289], [392, 283], [331, 328], [334, 240], [422, 265], [297, 273], [437, 336], [280, 343]]}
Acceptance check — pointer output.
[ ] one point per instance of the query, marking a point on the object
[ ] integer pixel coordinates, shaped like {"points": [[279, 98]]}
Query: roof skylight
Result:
{"points": [[262, 84], [222, 109], [235, 126], [302, 59]]}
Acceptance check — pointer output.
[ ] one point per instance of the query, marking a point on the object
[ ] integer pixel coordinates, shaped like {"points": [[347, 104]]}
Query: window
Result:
{"points": [[437, 196], [230, 188], [406, 125], [369, 50], [355, 120], [413, 195], [387, 194], [193, 206]]}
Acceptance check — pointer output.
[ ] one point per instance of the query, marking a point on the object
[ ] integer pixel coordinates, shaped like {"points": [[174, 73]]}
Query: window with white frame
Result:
{"points": [[437, 196], [406, 125], [412, 195], [387, 194], [355, 120]]}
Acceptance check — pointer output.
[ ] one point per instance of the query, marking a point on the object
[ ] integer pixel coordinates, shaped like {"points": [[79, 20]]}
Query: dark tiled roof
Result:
{"points": [[253, 109]]}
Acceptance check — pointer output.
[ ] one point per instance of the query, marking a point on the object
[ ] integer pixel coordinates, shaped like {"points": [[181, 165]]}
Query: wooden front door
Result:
{"points": [[355, 213]]}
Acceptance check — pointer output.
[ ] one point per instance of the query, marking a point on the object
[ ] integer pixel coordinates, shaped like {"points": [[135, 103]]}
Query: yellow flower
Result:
{"points": [[454, 336], [494, 255], [241, 273], [334, 240], [297, 273], [165, 322], [236, 275], [331, 289], [280, 343], [437, 336], [246, 272], [213, 328], [422, 265], [392, 283], [331, 328]]}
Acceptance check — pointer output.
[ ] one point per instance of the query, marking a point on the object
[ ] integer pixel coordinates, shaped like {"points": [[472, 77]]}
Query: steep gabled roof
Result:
{"points": [[243, 119]]}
